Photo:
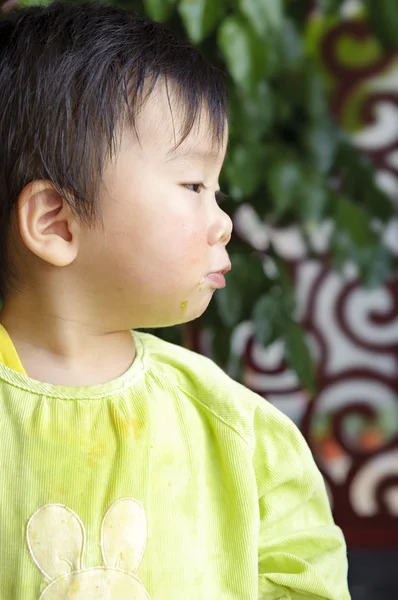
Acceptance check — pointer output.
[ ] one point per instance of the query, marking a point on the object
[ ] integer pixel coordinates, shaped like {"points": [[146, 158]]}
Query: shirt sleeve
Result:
{"points": [[302, 553]]}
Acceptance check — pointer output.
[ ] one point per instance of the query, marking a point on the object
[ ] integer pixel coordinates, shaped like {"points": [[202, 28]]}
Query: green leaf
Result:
{"points": [[376, 265], [244, 52], [314, 93], [220, 346], [296, 350], [298, 11], [383, 17], [23, 3], [264, 15], [245, 283], [200, 17], [374, 262], [174, 334], [230, 300], [244, 169], [159, 10], [284, 289], [251, 115], [358, 178], [313, 198], [266, 317], [329, 7], [320, 140], [354, 240], [284, 179], [221, 351], [353, 223], [292, 46], [298, 355]]}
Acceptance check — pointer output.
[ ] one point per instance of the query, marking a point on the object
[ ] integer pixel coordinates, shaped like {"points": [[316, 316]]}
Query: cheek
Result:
{"points": [[196, 246], [182, 236], [155, 232], [156, 255]]}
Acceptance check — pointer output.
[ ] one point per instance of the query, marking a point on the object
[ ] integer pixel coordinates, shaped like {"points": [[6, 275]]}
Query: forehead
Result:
{"points": [[161, 126]]}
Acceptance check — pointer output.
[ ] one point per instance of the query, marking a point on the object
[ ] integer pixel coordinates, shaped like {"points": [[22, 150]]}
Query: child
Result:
{"points": [[131, 468]]}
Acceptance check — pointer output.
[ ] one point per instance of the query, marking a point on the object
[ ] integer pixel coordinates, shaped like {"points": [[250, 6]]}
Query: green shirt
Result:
{"points": [[172, 482]]}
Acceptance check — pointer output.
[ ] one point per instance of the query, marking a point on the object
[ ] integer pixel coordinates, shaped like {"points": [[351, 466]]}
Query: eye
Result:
{"points": [[194, 187]]}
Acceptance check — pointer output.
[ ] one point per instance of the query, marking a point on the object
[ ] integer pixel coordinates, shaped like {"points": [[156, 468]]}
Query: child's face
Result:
{"points": [[162, 235]]}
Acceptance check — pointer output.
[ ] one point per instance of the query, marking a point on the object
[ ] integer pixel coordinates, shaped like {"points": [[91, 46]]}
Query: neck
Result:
{"points": [[58, 344]]}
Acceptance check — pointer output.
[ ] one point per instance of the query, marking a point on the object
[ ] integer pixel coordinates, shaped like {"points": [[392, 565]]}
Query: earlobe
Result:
{"points": [[47, 225]]}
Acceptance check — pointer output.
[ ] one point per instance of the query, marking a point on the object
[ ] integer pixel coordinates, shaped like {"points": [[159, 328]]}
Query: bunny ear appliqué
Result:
{"points": [[55, 537], [123, 535]]}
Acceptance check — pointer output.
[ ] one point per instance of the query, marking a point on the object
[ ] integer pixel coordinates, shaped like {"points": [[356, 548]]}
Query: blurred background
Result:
{"points": [[309, 316]]}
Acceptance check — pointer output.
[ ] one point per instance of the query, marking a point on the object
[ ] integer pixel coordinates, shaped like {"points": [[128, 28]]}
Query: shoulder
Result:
{"points": [[204, 383]]}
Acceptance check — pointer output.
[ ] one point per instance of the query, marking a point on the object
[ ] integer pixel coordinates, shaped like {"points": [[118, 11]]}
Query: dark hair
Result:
{"points": [[69, 74]]}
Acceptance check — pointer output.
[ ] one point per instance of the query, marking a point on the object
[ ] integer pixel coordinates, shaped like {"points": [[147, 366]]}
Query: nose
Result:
{"points": [[221, 229]]}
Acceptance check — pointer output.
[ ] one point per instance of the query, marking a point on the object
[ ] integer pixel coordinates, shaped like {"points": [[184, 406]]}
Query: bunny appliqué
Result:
{"points": [[56, 540]]}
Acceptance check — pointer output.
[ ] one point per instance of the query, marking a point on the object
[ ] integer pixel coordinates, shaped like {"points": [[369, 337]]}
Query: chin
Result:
{"points": [[190, 313], [198, 313], [187, 311]]}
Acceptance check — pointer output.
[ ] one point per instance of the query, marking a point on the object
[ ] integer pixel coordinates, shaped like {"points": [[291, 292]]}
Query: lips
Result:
{"points": [[218, 279], [218, 276]]}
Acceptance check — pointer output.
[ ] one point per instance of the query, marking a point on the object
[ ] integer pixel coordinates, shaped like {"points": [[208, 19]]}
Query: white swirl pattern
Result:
{"points": [[354, 335]]}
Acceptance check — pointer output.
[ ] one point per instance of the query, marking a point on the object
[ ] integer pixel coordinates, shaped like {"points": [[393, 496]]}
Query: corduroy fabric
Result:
{"points": [[172, 482]]}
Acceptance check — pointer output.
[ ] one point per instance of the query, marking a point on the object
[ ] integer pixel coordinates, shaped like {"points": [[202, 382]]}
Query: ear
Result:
{"points": [[47, 225], [123, 535], [55, 537]]}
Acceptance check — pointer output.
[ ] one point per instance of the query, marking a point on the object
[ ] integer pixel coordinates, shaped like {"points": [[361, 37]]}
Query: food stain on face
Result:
{"points": [[183, 307], [202, 284]]}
